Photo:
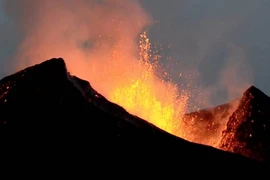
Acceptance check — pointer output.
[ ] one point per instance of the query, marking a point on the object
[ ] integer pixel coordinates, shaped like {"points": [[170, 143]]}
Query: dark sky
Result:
{"points": [[210, 34], [218, 43]]}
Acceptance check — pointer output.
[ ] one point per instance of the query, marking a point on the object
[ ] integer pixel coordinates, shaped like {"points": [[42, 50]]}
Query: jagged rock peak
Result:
{"points": [[254, 92], [248, 130], [56, 66], [55, 62], [53, 67]]}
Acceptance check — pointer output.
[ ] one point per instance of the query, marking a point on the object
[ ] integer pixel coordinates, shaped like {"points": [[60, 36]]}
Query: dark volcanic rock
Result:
{"points": [[53, 122], [205, 126], [248, 130]]}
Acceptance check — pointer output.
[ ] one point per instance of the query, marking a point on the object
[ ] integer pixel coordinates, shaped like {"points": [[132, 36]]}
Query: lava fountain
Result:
{"points": [[150, 97], [99, 42]]}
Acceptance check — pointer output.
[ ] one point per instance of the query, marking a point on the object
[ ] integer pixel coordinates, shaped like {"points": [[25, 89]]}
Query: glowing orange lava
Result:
{"points": [[149, 97], [99, 42]]}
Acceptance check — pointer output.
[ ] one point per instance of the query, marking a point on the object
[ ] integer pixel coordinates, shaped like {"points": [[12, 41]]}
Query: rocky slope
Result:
{"points": [[248, 128], [205, 126], [52, 122]]}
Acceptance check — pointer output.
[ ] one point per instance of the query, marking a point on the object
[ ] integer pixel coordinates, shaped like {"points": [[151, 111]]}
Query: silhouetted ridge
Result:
{"points": [[100, 101], [54, 64], [205, 126], [253, 91], [247, 131], [49, 118]]}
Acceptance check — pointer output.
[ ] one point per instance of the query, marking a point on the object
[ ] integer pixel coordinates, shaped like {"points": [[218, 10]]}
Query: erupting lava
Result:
{"points": [[99, 42], [149, 97]]}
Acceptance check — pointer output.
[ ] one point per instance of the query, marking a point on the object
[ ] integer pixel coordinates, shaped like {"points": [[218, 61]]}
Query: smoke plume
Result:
{"points": [[99, 41], [85, 33]]}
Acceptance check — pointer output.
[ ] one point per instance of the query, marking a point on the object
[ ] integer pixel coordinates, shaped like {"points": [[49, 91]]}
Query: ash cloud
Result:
{"points": [[211, 40], [219, 47], [215, 68], [83, 32]]}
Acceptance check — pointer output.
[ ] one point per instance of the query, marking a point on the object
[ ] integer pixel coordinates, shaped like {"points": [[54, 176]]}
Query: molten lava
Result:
{"points": [[99, 42], [149, 97]]}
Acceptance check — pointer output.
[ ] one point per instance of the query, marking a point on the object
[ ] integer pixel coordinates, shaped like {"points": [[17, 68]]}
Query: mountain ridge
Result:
{"points": [[45, 118]]}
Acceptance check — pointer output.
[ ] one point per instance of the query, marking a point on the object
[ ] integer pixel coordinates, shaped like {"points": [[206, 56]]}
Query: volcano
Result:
{"points": [[247, 131], [205, 126], [52, 121]]}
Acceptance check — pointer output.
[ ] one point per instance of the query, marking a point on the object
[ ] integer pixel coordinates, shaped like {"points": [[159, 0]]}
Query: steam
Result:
{"points": [[85, 33], [215, 67], [91, 34], [233, 78]]}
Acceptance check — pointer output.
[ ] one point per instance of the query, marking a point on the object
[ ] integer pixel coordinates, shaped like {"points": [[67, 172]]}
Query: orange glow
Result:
{"points": [[149, 97], [99, 42]]}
